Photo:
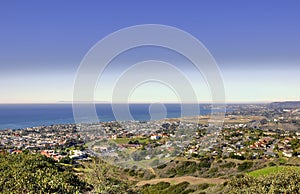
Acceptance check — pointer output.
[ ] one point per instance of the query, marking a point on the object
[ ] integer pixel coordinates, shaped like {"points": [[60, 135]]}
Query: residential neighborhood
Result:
{"points": [[247, 133]]}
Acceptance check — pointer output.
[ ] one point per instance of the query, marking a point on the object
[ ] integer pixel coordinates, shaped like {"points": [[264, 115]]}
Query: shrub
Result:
{"points": [[204, 163], [106, 178], [166, 188], [271, 164], [228, 165], [245, 166], [28, 173], [162, 166], [187, 167], [188, 191], [283, 182], [203, 186], [213, 170], [179, 188]]}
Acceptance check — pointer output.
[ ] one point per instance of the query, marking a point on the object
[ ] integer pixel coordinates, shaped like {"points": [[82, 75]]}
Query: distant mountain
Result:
{"points": [[287, 104]]}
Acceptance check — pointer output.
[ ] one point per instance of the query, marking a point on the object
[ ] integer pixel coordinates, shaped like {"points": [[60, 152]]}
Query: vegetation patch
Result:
{"points": [[124, 140], [285, 181], [245, 166], [272, 170], [228, 165], [34, 173], [166, 188]]}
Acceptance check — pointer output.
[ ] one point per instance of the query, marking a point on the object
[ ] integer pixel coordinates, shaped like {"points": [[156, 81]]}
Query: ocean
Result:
{"points": [[18, 116]]}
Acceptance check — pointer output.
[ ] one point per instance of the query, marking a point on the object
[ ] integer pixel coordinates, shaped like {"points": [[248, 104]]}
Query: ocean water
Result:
{"points": [[18, 116]]}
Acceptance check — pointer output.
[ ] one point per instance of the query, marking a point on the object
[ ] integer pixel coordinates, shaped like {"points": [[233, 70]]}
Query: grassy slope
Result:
{"points": [[126, 140], [271, 170]]}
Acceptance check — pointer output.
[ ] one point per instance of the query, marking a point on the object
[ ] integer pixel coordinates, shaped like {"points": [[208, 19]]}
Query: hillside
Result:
{"points": [[286, 104]]}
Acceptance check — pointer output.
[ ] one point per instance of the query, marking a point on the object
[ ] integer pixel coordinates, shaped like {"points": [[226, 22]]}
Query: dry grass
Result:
{"points": [[190, 179]]}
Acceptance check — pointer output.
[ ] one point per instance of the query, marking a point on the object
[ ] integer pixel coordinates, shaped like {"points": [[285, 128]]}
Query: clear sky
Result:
{"points": [[255, 43]]}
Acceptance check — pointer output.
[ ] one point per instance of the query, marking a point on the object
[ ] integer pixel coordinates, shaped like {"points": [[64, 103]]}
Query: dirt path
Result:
{"points": [[192, 180]]}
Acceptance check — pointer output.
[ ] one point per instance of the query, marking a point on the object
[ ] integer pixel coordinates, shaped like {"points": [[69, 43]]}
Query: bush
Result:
{"points": [[106, 178], [188, 191], [203, 186], [155, 188], [283, 182], [271, 164], [166, 188], [186, 167], [161, 166], [228, 165], [213, 170], [204, 163], [179, 188], [28, 173], [281, 161], [171, 172], [245, 166]]}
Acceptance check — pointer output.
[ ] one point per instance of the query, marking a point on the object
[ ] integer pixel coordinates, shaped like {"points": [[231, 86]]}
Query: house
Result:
{"points": [[155, 137], [287, 153], [148, 157], [16, 152], [47, 153], [77, 154], [52, 154]]}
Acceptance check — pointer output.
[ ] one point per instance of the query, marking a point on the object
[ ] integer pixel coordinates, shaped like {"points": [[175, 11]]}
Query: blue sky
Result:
{"points": [[255, 43]]}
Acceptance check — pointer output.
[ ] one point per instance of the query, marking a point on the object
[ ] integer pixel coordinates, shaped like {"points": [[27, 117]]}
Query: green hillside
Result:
{"points": [[272, 170]]}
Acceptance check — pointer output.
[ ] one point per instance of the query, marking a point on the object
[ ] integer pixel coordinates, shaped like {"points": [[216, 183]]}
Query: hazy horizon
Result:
{"points": [[107, 102]]}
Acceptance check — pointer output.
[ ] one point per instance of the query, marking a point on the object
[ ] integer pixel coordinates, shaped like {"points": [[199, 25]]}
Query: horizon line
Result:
{"points": [[146, 102]]}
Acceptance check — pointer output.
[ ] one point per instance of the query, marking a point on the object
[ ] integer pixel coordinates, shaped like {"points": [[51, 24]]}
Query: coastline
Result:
{"points": [[19, 116]]}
